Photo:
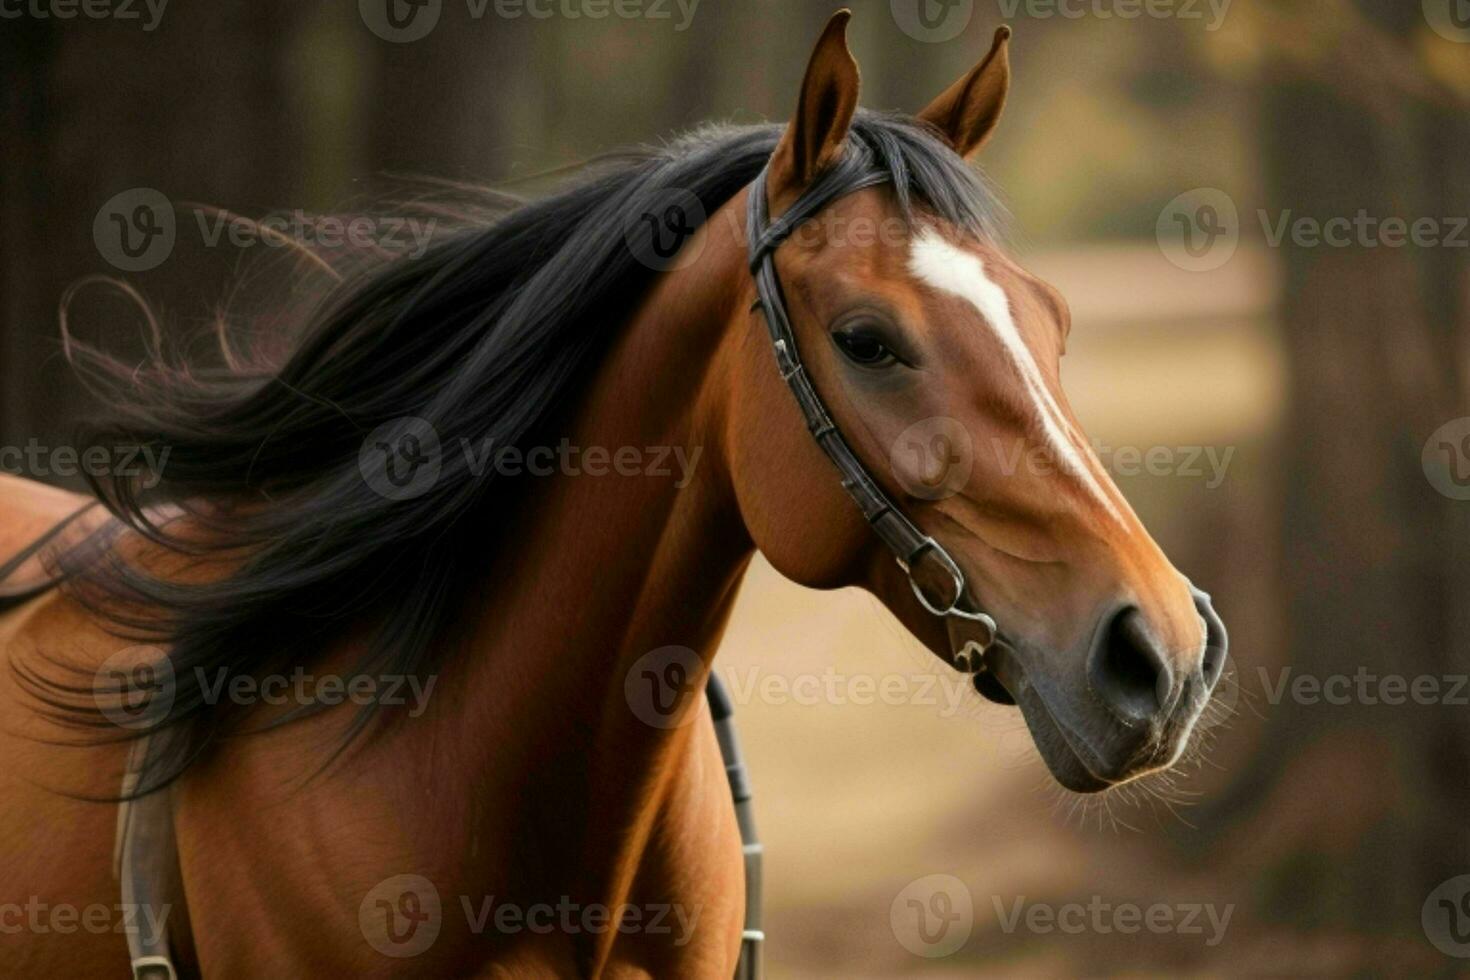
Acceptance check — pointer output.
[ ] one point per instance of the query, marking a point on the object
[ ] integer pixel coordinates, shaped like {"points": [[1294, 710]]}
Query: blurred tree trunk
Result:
{"points": [[201, 108], [26, 50], [1375, 797]]}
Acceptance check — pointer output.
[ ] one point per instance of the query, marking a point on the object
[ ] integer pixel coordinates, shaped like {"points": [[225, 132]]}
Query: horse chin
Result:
{"points": [[1003, 680], [1066, 765], [1062, 757]]}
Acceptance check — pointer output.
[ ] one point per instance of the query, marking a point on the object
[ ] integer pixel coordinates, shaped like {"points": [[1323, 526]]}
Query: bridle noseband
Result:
{"points": [[909, 545]]}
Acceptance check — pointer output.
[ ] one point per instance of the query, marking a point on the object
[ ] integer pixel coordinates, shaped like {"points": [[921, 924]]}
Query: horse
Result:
{"points": [[449, 482]]}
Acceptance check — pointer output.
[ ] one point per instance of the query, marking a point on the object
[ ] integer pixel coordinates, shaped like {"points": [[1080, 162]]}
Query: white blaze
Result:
{"points": [[951, 269]]}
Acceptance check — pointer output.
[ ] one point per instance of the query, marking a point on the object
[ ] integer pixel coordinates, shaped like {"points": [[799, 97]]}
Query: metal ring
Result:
{"points": [[148, 967], [956, 574]]}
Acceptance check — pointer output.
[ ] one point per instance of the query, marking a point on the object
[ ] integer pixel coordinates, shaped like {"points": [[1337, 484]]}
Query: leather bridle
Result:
{"points": [[909, 544]]}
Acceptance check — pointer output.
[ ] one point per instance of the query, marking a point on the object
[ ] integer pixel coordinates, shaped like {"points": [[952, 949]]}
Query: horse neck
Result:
{"points": [[597, 571]]}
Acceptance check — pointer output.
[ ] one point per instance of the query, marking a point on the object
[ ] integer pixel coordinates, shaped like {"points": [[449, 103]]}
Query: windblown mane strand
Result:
{"points": [[483, 337]]}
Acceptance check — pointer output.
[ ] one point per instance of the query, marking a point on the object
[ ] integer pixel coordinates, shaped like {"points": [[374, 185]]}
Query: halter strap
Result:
{"points": [[903, 538]]}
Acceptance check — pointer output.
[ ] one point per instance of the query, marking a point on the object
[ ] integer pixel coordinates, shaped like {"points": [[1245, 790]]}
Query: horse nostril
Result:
{"points": [[1217, 643], [1127, 669], [1211, 667]]}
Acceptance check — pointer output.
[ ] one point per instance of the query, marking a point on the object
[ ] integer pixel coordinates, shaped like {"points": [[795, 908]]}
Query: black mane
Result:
{"points": [[482, 337]]}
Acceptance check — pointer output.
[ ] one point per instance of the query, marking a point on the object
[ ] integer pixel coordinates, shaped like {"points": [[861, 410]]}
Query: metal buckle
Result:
{"points": [[953, 608], [154, 968]]}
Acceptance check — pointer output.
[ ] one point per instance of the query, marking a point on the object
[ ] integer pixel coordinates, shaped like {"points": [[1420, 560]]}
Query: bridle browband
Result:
{"points": [[909, 544]]}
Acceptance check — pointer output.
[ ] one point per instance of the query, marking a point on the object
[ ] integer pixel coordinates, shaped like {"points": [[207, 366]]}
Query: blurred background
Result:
{"points": [[1302, 399]]}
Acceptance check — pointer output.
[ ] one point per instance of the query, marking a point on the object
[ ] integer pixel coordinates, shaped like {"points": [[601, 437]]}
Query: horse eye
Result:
{"points": [[864, 349]]}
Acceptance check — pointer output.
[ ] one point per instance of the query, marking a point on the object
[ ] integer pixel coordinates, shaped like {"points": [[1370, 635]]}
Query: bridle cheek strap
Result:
{"points": [[910, 546]]}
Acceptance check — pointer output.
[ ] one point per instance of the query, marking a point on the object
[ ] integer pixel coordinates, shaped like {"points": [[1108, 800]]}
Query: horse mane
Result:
{"points": [[484, 336]]}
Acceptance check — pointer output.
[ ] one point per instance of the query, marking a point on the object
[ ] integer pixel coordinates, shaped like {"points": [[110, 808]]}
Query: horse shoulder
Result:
{"points": [[40, 780]]}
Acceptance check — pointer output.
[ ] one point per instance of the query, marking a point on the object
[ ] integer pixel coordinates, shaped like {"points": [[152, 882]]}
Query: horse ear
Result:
{"points": [[967, 111], [816, 134]]}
